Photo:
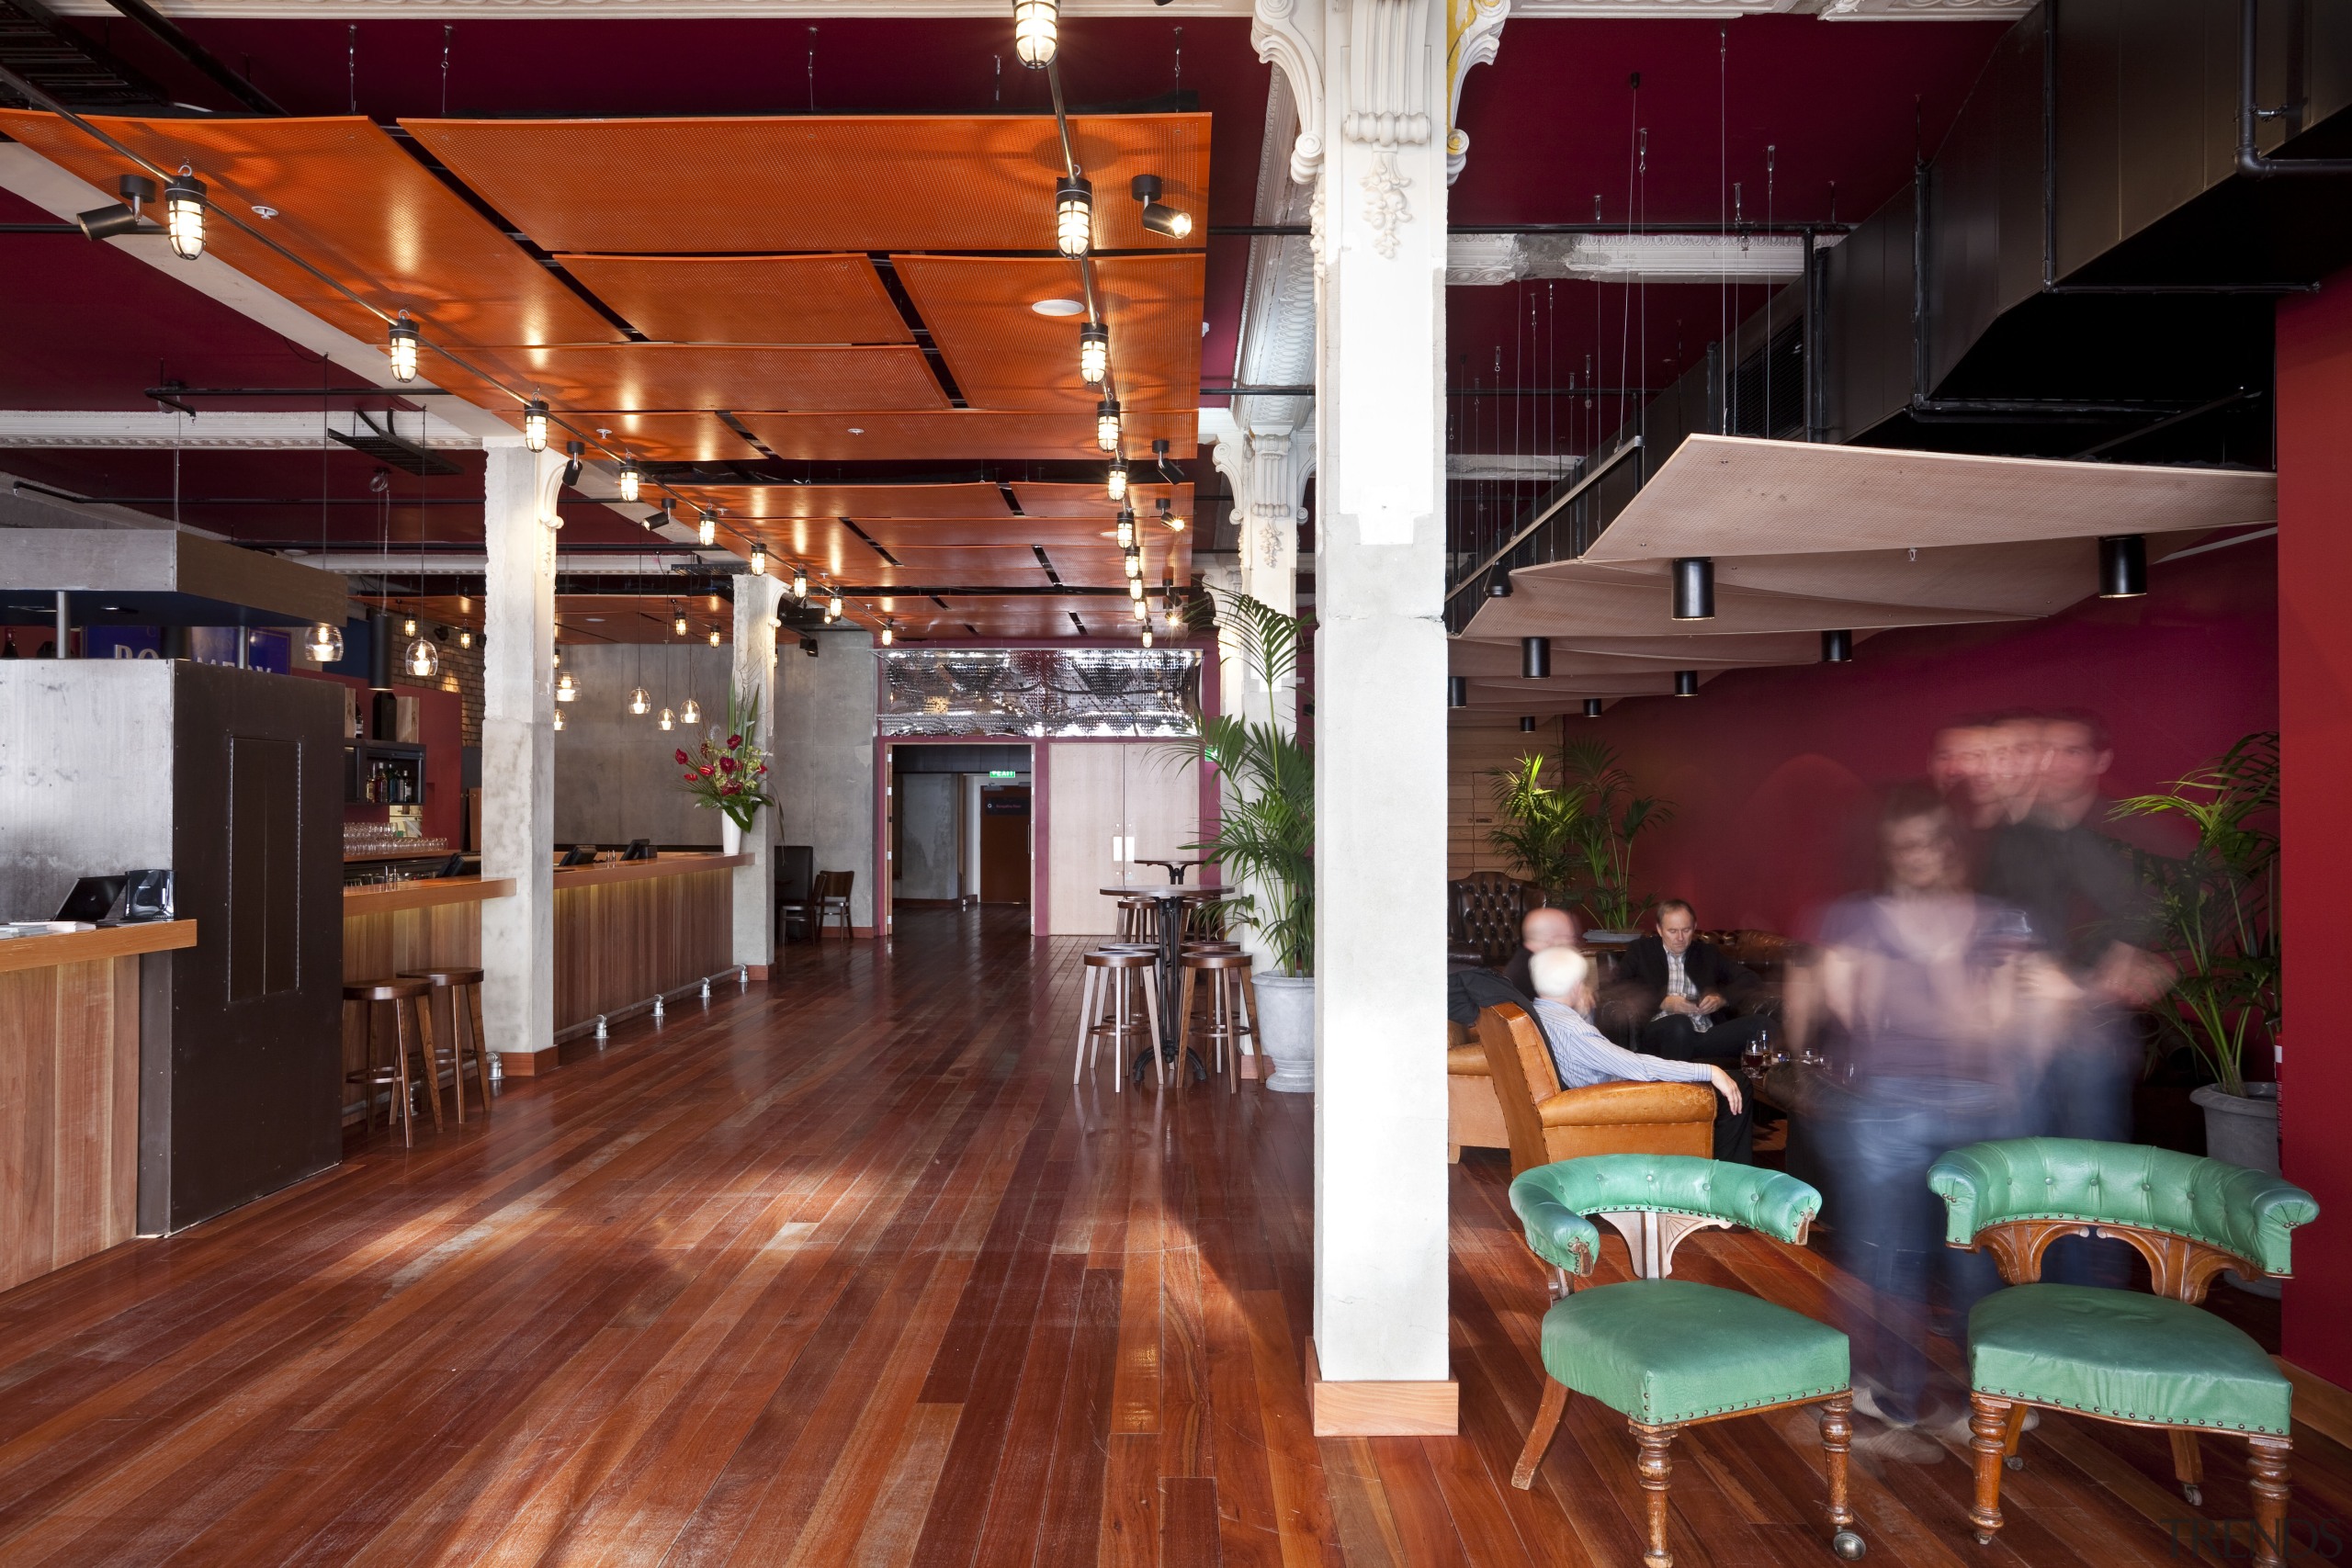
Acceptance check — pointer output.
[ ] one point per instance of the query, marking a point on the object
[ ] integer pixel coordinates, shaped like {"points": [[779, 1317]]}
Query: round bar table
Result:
{"points": [[1172, 902]]}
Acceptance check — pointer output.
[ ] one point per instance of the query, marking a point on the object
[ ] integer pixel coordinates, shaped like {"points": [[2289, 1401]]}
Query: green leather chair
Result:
{"points": [[1670, 1353], [2152, 1360]]}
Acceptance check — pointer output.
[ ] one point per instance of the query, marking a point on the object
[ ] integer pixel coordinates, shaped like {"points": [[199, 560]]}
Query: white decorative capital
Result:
{"points": [[1388, 102], [1473, 33], [1289, 36]]}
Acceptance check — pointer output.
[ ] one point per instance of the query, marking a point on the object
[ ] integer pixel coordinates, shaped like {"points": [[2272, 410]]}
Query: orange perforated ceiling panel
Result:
{"points": [[960, 435], [667, 439], [1100, 567], [957, 563], [354, 205], [766, 299], [1005, 356], [818, 182], [858, 502], [897, 535], [656, 376], [1093, 500]]}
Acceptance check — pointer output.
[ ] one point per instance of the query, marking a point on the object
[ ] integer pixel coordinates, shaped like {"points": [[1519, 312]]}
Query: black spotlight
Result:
{"points": [[1457, 690], [1836, 648], [1158, 216], [1526, 726], [572, 450], [809, 645], [1499, 588], [1592, 708], [1535, 657], [2123, 565], [1695, 588], [1686, 682], [106, 222]]}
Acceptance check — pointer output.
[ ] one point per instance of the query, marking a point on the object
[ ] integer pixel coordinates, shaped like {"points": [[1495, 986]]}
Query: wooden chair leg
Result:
{"points": [[456, 1054], [2188, 1465], [1241, 1005], [1539, 1436], [1836, 1439], [2267, 1461], [1988, 1426], [1657, 1473], [481, 1050], [2013, 1434], [1184, 1016], [1149, 983], [1085, 1025], [400, 1016], [423, 1009]]}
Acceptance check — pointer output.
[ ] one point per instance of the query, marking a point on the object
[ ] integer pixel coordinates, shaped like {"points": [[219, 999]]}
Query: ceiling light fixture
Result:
{"points": [[1093, 353], [1695, 588], [888, 635], [573, 451], [1126, 535], [1106, 424], [630, 478], [566, 689], [1167, 518], [559, 718], [833, 605], [690, 712], [1143, 611], [1836, 648], [1526, 725], [1058, 307], [1074, 215], [408, 627], [2123, 565], [404, 341], [1686, 682], [714, 636], [1457, 690], [1169, 472], [1134, 562], [1592, 708], [1158, 216], [465, 638], [1036, 32], [759, 560], [800, 584], [184, 214], [668, 719], [1135, 591], [1535, 657], [706, 528], [535, 425], [640, 701], [678, 626], [106, 222], [1116, 481], [324, 643]]}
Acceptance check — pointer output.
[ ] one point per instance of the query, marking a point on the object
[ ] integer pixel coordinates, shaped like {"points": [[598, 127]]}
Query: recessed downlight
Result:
{"points": [[1058, 307]]}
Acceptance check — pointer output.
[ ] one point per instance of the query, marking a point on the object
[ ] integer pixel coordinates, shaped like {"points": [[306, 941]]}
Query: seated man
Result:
{"points": [[1583, 1057], [1467, 990], [1678, 993]]}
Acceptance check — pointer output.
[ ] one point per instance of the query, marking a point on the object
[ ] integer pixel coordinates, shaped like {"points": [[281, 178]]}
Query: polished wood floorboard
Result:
{"points": [[840, 1271]]}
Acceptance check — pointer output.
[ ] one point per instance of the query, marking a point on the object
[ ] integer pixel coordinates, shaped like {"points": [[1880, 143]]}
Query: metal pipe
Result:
{"points": [[2251, 162], [64, 624]]}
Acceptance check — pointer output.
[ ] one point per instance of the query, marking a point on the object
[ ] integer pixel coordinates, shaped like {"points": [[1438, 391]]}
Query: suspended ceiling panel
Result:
{"points": [[1558, 697], [818, 182], [671, 438], [1005, 356], [760, 300], [1093, 501], [961, 434], [354, 205], [954, 564], [819, 544], [1102, 567], [855, 501], [898, 534], [1483, 662], [653, 376], [1723, 495]]}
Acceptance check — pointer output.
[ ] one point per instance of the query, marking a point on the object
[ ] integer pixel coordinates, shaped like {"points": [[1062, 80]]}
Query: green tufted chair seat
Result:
{"points": [[1666, 1352], [2124, 1356]]}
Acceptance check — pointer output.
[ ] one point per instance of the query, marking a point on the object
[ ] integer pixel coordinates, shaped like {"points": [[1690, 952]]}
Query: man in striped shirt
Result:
{"points": [[1584, 1056]]}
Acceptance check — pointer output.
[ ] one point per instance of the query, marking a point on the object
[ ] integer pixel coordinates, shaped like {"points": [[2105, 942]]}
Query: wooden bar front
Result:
{"points": [[69, 1092], [433, 922], [630, 931]]}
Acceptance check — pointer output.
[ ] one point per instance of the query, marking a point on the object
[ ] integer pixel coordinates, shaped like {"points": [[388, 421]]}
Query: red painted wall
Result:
{"points": [[1771, 772], [441, 722], [2314, 378]]}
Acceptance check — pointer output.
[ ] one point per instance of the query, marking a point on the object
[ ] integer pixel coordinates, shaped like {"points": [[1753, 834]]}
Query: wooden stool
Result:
{"points": [[464, 987], [1228, 976], [1139, 919], [407, 1017], [1112, 979]]}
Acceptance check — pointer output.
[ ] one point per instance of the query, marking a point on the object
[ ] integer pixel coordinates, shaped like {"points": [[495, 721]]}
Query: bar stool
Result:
{"points": [[1139, 919], [464, 987], [1106, 1010], [408, 1016], [1228, 977]]}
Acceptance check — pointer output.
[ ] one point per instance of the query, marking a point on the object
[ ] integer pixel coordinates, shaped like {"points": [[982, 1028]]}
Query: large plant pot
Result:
{"points": [[2243, 1130], [1287, 1031]]}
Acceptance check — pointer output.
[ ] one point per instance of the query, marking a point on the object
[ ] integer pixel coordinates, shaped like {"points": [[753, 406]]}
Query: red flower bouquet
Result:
{"points": [[723, 770]]}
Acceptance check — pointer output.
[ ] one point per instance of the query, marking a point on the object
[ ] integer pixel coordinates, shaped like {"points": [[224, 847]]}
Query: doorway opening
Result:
{"points": [[959, 830]]}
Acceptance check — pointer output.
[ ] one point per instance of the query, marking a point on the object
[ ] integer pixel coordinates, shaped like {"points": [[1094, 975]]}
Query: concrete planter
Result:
{"points": [[1285, 1008], [2243, 1130]]}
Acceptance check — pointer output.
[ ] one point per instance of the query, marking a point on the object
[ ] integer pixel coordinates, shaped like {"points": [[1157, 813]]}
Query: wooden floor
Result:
{"points": [[842, 1271]]}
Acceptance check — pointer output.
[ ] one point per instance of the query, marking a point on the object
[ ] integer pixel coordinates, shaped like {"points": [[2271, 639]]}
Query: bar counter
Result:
{"points": [[69, 1086]]}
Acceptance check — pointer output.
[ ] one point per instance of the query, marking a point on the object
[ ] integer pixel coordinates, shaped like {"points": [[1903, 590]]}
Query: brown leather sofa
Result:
{"points": [[1544, 1122], [1482, 912]]}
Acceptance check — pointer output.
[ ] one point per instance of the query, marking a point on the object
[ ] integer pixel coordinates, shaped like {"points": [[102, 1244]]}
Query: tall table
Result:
{"points": [[1171, 902]]}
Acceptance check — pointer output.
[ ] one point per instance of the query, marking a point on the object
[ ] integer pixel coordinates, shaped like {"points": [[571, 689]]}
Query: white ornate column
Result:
{"points": [[519, 753], [757, 597]]}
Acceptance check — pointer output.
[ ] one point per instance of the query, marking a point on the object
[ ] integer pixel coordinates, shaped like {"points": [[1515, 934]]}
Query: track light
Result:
{"points": [[1126, 530], [1836, 648], [184, 214], [833, 605], [759, 560], [2123, 565], [640, 701], [1117, 480], [571, 454], [1158, 216], [629, 479], [106, 222], [714, 636], [1695, 588], [1686, 682], [1093, 353], [1526, 725], [404, 340], [706, 528], [1074, 215], [1457, 690], [800, 584], [535, 425], [1106, 424], [1535, 657], [1036, 32], [690, 712], [1167, 518], [324, 644], [566, 689], [1592, 708]]}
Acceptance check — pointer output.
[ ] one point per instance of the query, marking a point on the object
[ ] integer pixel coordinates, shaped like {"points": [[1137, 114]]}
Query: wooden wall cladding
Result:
{"points": [[69, 1113], [1474, 753], [621, 943]]}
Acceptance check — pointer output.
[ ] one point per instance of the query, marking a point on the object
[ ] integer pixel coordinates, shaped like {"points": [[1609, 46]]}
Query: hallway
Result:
{"points": [[840, 1272]]}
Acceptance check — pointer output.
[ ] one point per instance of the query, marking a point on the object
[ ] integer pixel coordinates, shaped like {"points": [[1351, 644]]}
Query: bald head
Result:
{"points": [[1542, 929]]}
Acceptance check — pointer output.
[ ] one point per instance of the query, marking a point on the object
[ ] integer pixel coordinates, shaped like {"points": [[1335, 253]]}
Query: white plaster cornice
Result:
{"points": [[230, 428], [625, 10]]}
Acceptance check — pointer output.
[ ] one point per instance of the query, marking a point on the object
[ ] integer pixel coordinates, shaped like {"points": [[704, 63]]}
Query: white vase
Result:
{"points": [[2243, 1130], [1285, 1020], [731, 836]]}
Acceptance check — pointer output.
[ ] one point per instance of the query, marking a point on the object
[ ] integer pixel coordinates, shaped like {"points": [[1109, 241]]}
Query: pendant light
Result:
{"points": [[557, 659], [1036, 32], [1147, 634], [567, 690], [1836, 648], [1535, 657], [1686, 682], [1135, 591], [535, 425], [640, 701], [1093, 353], [1457, 690], [678, 626], [465, 638], [1695, 588], [408, 627], [1116, 483], [404, 340], [707, 527], [889, 634], [559, 718], [1592, 708], [1133, 561], [690, 712], [1073, 215], [833, 604], [800, 584], [759, 560], [422, 659], [1526, 725], [2123, 565], [1106, 424], [184, 214], [714, 636], [668, 719], [1126, 530], [324, 643], [1142, 610], [630, 478]]}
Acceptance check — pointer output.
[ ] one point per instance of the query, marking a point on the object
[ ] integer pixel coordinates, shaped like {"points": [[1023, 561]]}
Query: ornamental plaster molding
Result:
{"points": [[1277, 337], [1288, 35], [1383, 201], [1474, 33], [1388, 101]]}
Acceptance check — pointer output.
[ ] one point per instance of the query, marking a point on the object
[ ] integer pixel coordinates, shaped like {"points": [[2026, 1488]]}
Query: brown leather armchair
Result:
{"points": [[1482, 919], [1546, 1123], [1474, 1117]]}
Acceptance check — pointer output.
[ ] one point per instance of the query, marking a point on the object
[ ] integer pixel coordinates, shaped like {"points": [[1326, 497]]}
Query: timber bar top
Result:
{"points": [[643, 870], [423, 893], [88, 947]]}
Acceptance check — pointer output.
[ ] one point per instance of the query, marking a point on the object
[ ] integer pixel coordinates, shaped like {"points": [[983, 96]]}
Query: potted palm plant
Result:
{"points": [[1575, 838], [1264, 842], [1537, 827], [2216, 914]]}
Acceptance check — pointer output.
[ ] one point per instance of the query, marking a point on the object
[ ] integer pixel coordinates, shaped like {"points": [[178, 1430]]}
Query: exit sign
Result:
{"points": [[1002, 773]]}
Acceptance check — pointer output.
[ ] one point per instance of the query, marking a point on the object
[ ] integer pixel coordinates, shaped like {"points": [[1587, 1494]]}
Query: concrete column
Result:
{"points": [[1380, 1166], [824, 741], [518, 753], [757, 599]]}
